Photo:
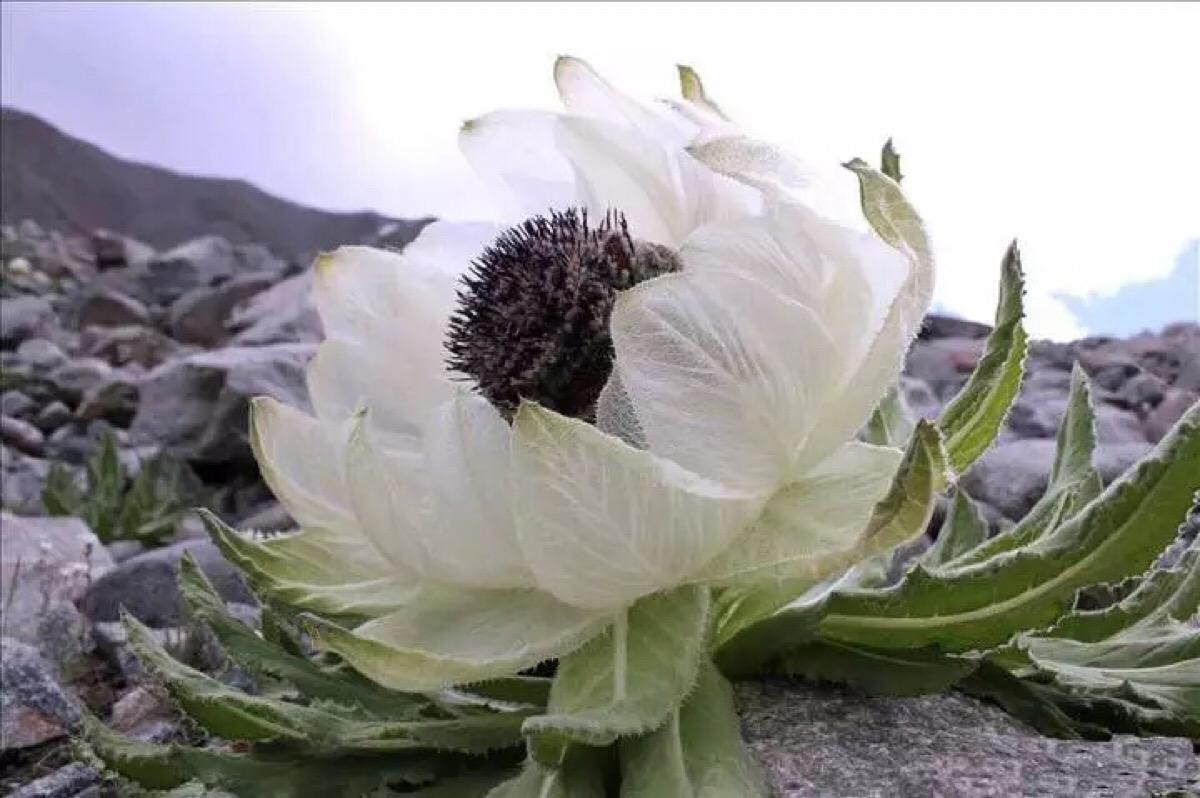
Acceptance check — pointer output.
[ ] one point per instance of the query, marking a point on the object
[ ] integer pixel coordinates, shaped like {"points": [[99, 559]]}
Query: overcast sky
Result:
{"points": [[1072, 127]]}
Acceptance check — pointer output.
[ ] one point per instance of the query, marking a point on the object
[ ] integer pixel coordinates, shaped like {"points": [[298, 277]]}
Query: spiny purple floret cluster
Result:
{"points": [[532, 318]]}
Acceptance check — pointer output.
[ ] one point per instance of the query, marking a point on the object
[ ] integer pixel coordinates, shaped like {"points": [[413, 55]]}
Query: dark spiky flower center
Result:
{"points": [[532, 318]]}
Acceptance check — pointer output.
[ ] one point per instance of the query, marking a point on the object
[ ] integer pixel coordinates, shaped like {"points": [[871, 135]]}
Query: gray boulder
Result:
{"points": [[76, 377], [816, 742], [1013, 475], [21, 435], [108, 308], [1038, 415], [206, 261], [46, 564], [21, 478], [1174, 404], [52, 416], [115, 401], [33, 707], [199, 316], [41, 354], [944, 364], [75, 780], [147, 585], [132, 345], [24, 317], [283, 313], [196, 406], [16, 404]]}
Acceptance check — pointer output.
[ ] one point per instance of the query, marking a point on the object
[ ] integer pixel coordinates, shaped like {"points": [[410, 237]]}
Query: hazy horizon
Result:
{"points": [[1066, 127]]}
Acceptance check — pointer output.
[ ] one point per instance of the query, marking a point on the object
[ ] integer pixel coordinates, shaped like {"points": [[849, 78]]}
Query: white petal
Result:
{"points": [[725, 374], [386, 324], [602, 523], [813, 524], [443, 251], [455, 638], [620, 168], [585, 93], [883, 360], [782, 176], [664, 193], [300, 458], [467, 454], [389, 491], [517, 154]]}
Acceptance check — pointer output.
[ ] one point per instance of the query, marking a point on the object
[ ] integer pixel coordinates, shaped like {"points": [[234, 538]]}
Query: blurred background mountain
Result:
{"points": [[66, 184]]}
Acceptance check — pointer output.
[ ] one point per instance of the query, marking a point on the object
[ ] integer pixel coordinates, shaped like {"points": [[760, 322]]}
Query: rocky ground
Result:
{"points": [[162, 349]]}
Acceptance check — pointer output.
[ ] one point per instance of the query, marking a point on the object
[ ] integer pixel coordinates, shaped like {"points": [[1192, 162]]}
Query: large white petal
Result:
{"points": [[443, 639], [386, 324], [619, 168], [585, 93], [726, 375], [474, 540], [517, 154], [897, 223], [813, 524], [389, 490], [300, 458], [602, 523]]}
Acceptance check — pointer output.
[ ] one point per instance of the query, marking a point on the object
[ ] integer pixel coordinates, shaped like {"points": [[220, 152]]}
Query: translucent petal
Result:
{"points": [[300, 458], [444, 639], [782, 176], [386, 324], [616, 167], [899, 224], [389, 491], [725, 374], [516, 152], [585, 93], [811, 525], [602, 523], [474, 540]]}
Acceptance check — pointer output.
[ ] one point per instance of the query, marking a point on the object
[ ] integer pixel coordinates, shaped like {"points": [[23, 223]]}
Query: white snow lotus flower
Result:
{"points": [[500, 464]]}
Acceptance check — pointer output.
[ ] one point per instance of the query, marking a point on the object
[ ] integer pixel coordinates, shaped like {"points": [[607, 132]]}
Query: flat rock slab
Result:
{"points": [[831, 742]]}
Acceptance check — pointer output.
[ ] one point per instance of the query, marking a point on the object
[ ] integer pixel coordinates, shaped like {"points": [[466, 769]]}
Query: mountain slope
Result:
{"points": [[66, 184]]}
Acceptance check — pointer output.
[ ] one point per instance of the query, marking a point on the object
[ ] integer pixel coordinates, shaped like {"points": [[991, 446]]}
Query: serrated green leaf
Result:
{"points": [[904, 672], [299, 571], [253, 775], [977, 607], [972, 419], [260, 658], [323, 728], [698, 753], [890, 162], [1073, 481], [527, 690], [891, 424], [1163, 595], [963, 529], [889, 212], [1076, 439], [1156, 669], [755, 623], [1027, 701], [613, 687]]}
